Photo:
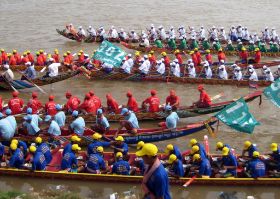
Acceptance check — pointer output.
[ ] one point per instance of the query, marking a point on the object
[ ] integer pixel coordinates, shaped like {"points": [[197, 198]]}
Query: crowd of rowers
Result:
{"points": [[55, 114], [195, 161], [196, 66], [155, 35]]}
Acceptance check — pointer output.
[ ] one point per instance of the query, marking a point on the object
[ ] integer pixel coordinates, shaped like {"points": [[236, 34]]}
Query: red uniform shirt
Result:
{"points": [[70, 58], [72, 103], [89, 106], [18, 58], [166, 61], [137, 60], [4, 57], [153, 60], [198, 56], [50, 108], [81, 59], [221, 56], [112, 105], [30, 57], [209, 58], [40, 61], [154, 103], [12, 61], [171, 99], [44, 57], [56, 58], [243, 55], [96, 101], [24, 60], [16, 104], [35, 104], [258, 56], [132, 104], [66, 60], [205, 99], [194, 59], [180, 59], [96, 62]]}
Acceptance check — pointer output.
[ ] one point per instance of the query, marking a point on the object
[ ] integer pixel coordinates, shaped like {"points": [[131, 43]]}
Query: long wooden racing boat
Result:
{"points": [[146, 135], [23, 67], [182, 111], [171, 51], [53, 172], [40, 81], [69, 35], [154, 77]]}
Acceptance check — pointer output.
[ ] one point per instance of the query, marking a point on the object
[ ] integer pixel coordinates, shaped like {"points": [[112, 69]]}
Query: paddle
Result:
{"points": [[189, 181], [217, 96], [39, 88], [10, 84]]}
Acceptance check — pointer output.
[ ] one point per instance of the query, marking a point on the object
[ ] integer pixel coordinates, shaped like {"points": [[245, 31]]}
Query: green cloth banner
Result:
{"points": [[272, 92], [109, 53], [237, 116]]}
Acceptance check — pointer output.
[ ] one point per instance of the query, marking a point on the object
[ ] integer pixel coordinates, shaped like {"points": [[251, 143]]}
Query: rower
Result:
{"points": [[171, 120], [95, 99], [171, 44], [268, 75], [43, 148], [197, 150], [52, 69], [133, 36], [30, 72], [120, 146], [162, 33], [131, 103], [73, 140], [123, 35], [66, 60], [59, 117], [274, 162], [175, 69], [250, 148], [233, 34], [223, 35], [92, 147], [173, 100], [17, 157], [138, 58], [126, 67], [11, 119], [24, 58], [191, 70], [43, 55], [30, 56], [145, 42], [220, 146], [253, 75], [229, 163], [166, 60], [17, 57], [204, 99], [152, 58], [16, 103], [50, 106], [55, 56], [209, 57], [120, 167], [222, 72], [53, 127], [205, 44], [40, 60], [264, 68], [81, 32], [96, 163], [258, 55], [113, 33], [155, 181], [145, 66], [194, 58], [69, 161], [78, 125], [172, 149], [256, 167], [153, 33], [243, 55], [202, 166], [277, 72], [4, 57], [160, 67], [102, 125], [91, 31], [178, 56], [152, 103], [6, 130], [193, 142], [176, 167], [34, 103], [21, 145], [221, 55], [130, 122], [12, 60], [198, 56], [38, 161], [8, 74], [139, 160], [101, 33], [88, 105], [229, 46], [112, 105], [208, 70], [237, 74], [31, 127], [72, 103]]}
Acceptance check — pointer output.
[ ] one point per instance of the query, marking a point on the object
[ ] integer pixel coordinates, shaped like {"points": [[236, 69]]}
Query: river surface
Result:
{"points": [[31, 24]]}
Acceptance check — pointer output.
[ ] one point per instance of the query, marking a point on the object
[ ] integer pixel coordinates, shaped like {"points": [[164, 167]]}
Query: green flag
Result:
{"points": [[237, 116], [272, 92], [109, 53]]}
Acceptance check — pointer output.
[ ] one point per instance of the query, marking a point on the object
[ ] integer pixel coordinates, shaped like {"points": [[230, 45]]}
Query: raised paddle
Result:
{"points": [[38, 87]]}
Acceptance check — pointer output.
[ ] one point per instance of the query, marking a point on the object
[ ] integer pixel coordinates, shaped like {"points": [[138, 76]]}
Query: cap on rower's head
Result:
{"points": [[225, 151], [99, 111], [172, 92], [200, 87], [47, 118], [168, 108], [191, 52], [51, 97], [58, 107], [256, 154], [119, 155], [196, 157], [75, 138], [34, 94], [13, 146], [192, 142], [124, 111], [219, 145], [171, 159], [163, 54], [247, 144], [96, 136], [148, 150], [8, 111], [153, 92], [274, 147], [140, 144], [129, 94], [32, 149], [195, 149], [100, 149], [75, 147], [75, 113], [29, 110], [119, 138], [169, 148], [68, 94], [15, 94], [38, 140]]}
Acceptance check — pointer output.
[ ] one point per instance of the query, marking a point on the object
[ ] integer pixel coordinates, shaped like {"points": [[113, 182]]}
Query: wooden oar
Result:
{"points": [[189, 181], [38, 87], [10, 84], [217, 96]]}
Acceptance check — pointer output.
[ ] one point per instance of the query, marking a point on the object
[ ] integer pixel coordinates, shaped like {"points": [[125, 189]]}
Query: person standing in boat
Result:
{"points": [[171, 120], [30, 72], [173, 100], [78, 125], [204, 99], [130, 122], [152, 103], [102, 125], [8, 74], [155, 182], [16, 103]]}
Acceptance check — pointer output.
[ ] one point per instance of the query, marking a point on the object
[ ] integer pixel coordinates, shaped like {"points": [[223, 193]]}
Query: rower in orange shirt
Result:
{"points": [[166, 59], [70, 56], [4, 56], [30, 56], [198, 56], [50, 106], [132, 103], [24, 59], [243, 55], [40, 61], [152, 102], [209, 57], [66, 60], [81, 59], [178, 56], [34, 103], [221, 55], [112, 105], [204, 99], [55, 56], [194, 58], [12, 60], [258, 55], [82, 54], [72, 103], [88, 105], [173, 100], [137, 58], [152, 58], [96, 99], [17, 57], [44, 57]]}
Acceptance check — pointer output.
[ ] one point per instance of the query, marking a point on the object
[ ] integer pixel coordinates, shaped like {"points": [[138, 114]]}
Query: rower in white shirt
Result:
{"points": [[162, 33], [175, 68], [172, 34], [160, 67], [130, 60], [113, 33], [153, 33], [207, 70], [145, 43], [264, 68], [191, 70], [268, 75], [53, 68], [202, 34], [81, 32], [8, 74], [253, 75], [133, 36], [223, 35], [222, 73], [145, 66], [91, 31], [237, 73], [123, 36], [125, 66]]}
